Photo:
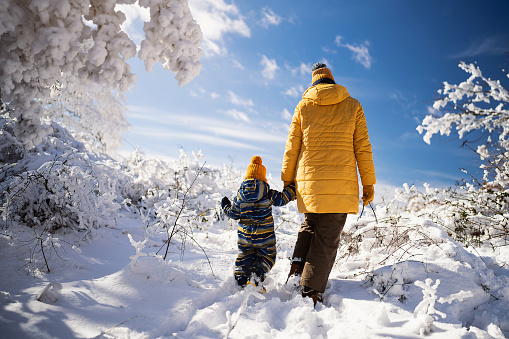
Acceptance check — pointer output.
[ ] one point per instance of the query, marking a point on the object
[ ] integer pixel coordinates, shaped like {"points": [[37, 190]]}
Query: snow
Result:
{"points": [[111, 283]]}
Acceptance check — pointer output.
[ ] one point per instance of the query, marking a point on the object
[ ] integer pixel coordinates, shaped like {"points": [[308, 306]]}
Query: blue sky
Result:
{"points": [[391, 55]]}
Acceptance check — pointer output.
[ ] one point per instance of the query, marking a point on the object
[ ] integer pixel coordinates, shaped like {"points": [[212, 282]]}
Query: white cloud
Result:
{"points": [[237, 64], [302, 69], [237, 115], [217, 18], [360, 53], [286, 115], [237, 100], [305, 68], [269, 67], [269, 18], [294, 91], [214, 95], [197, 91]]}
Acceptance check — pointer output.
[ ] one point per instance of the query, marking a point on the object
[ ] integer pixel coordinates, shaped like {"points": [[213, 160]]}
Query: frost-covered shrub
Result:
{"points": [[61, 195], [68, 192], [471, 216], [175, 198], [395, 234], [392, 281], [60, 184]]}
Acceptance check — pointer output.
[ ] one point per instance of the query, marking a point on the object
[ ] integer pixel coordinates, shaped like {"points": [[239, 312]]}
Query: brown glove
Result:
{"points": [[368, 193]]}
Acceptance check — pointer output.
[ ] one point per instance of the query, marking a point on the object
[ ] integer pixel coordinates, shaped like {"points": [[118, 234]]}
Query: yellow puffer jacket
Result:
{"points": [[327, 141]]}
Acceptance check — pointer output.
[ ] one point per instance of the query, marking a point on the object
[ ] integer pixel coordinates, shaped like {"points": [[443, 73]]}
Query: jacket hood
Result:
{"points": [[252, 190], [326, 94]]}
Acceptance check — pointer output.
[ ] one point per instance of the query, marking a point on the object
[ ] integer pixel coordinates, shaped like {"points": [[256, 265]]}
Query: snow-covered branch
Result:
{"points": [[42, 40], [478, 103]]}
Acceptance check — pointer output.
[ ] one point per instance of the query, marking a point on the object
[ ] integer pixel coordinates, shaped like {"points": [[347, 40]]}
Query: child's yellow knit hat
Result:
{"points": [[256, 170]]}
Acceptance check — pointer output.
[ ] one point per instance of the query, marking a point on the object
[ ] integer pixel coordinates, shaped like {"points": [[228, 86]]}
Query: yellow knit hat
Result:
{"points": [[256, 170], [320, 71]]}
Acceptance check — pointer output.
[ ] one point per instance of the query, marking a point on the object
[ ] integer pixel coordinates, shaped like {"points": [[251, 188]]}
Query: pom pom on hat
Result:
{"points": [[256, 170], [256, 160], [317, 66]]}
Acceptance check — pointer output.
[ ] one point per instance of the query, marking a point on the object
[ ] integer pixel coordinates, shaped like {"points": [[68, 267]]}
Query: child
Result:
{"points": [[253, 208]]}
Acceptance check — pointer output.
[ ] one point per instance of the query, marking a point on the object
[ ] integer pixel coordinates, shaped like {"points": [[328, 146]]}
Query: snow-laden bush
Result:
{"points": [[61, 194], [177, 198], [59, 185], [471, 217], [391, 233]]}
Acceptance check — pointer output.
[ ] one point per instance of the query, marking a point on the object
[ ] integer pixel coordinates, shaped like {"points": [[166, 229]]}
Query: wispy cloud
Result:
{"points": [[286, 115], [237, 100], [302, 69], [217, 18], [216, 129], [406, 104], [237, 64], [163, 135], [269, 18], [360, 53], [436, 174], [495, 45], [197, 91], [269, 67], [237, 115], [295, 91]]}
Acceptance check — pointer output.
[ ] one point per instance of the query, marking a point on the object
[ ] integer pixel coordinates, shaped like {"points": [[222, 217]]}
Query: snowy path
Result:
{"points": [[104, 295]]}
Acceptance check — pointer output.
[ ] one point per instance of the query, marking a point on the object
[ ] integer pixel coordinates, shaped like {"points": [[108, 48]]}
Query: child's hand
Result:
{"points": [[225, 202]]}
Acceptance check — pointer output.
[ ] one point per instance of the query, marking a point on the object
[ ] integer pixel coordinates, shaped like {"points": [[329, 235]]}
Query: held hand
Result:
{"points": [[286, 183], [225, 202], [368, 193]]}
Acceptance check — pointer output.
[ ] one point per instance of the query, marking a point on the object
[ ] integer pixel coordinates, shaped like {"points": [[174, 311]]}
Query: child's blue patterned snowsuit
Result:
{"points": [[256, 239]]}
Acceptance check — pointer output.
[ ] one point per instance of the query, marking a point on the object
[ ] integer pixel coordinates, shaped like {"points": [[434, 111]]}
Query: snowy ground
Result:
{"points": [[99, 292]]}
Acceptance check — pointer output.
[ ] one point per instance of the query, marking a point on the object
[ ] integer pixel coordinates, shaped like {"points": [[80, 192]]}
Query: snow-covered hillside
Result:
{"points": [[392, 278]]}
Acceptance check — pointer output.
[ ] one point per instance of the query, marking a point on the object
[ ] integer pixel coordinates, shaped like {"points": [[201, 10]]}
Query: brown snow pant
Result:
{"points": [[316, 247]]}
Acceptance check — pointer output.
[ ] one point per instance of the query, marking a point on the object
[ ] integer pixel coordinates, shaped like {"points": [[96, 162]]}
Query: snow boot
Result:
{"points": [[313, 294], [242, 280]]}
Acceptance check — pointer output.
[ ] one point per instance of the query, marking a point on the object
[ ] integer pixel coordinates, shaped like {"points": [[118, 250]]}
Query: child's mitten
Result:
{"points": [[225, 202]]}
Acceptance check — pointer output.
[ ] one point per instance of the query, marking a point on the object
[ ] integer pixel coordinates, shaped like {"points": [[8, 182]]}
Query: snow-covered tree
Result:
{"points": [[93, 114], [43, 39], [478, 104]]}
